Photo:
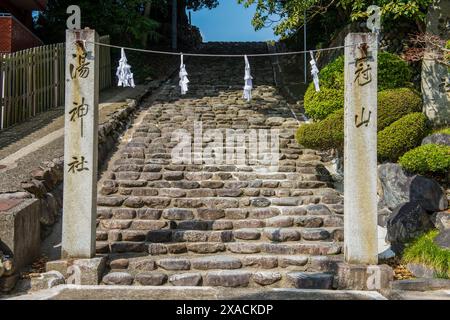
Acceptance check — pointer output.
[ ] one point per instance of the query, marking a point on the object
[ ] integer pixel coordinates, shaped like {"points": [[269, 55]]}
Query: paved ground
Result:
{"points": [[26, 146], [71, 292]]}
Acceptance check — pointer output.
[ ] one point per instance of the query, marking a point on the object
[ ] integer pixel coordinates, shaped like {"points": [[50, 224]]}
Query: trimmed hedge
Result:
{"points": [[324, 135], [394, 104], [393, 73], [401, 136], [430, 158], [319, 105], [393, 141]]}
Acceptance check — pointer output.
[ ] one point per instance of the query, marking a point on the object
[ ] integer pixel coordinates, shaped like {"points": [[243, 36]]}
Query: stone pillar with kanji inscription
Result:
{"points": [[80, 144], [360, 151]]}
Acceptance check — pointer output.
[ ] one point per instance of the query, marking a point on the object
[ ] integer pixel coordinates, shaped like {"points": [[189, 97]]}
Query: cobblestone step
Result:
{"points": [[309, 248], [243, 278], [249, 234]]}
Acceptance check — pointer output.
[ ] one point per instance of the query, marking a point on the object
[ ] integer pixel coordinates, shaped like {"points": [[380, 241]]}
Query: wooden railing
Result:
{"points": [[33, 81]]}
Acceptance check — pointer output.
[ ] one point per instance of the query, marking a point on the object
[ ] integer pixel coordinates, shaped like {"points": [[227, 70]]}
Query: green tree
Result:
{"points": [[128, 22], [289, 14]]}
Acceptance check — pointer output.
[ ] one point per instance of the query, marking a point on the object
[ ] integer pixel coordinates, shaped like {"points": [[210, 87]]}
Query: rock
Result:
{"points": [[261, 202], [281, 235], [119, 264], [443, 239], [83, 271], [315, 234], [399, 187], [310, 280], [407, 222], [421, 271], [266, 278], [246, 248], [231, 279], [441, 220], [318, 210], [47, 280], [423, 284], [438, 138], [246, 234], [295, 261], [142, 265], [435, 78], [174, 264], [186, 279], [264, 262], [178, 214], [151, 279], [118, 278], [217, 262]]}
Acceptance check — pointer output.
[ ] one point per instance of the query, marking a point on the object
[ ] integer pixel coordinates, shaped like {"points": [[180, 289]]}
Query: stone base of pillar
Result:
{"points": [[364, 277], [81, 271]]}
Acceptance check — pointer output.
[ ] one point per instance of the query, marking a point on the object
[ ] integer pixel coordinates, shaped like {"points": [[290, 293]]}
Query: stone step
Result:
{"points": [[213, 202], [333, 214], [250, 235], [243, 278], [135, 265], [231, 189], [285, 248]]}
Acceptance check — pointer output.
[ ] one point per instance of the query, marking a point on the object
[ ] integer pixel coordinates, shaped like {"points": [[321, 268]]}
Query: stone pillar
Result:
{"points": [[436, 76], [80, 144], [360, 151]]}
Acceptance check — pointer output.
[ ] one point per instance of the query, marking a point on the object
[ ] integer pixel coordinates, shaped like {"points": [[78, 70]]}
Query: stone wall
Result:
{"points": [[436, 76]]}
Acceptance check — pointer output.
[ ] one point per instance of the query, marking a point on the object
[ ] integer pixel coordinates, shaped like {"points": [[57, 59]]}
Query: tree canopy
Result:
{"points": [[126, 21], [287, 16]]}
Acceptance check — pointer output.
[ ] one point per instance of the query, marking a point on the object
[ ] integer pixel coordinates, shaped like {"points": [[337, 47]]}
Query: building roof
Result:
{"points": [[28, 4]]}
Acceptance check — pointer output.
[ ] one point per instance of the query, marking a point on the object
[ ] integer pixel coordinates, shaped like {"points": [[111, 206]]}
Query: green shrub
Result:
{"points": [[394, 104], [429, 158], [332, 75], [401, 136], [323, 135], [393, 72], [424, 251], [319, 105]]}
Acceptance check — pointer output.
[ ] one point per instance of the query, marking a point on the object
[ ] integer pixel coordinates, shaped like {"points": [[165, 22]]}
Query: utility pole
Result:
{"points": [[304, 46], [174, 24]]}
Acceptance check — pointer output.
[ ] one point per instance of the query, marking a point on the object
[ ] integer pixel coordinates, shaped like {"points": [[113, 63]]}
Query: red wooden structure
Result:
{"points": [[16, 24]]}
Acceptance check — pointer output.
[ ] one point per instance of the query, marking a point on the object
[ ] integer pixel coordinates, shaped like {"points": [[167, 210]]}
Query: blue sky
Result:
{"points": [[229, 22]]}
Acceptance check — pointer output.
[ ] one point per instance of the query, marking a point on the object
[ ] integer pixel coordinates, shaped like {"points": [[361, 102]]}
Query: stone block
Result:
{"points": [[363, 277], [20, 230], [81, 271]]}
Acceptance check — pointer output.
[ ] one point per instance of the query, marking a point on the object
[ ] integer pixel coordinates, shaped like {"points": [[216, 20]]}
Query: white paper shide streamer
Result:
{"points": [[248, 81], [183, 77], [314, 72], [124, 73]]}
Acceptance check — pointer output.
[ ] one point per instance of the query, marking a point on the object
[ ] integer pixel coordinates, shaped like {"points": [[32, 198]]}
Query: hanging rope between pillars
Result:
{"points": [[221, 55]]}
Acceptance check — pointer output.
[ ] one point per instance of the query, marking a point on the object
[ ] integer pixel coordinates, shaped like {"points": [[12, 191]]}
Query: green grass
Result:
{"points": [[424, 251], [444, 131]]}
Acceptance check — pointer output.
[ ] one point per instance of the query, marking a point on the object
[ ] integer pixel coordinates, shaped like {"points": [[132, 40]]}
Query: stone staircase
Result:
{"points": [[225, 225]]}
